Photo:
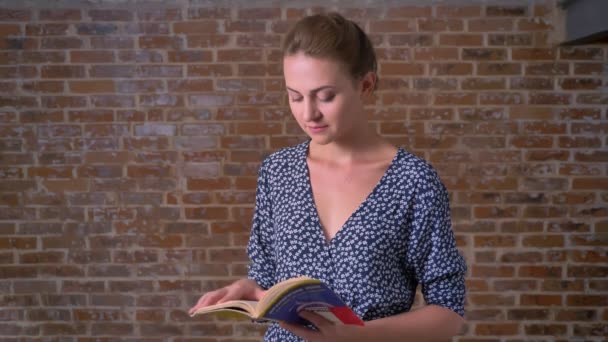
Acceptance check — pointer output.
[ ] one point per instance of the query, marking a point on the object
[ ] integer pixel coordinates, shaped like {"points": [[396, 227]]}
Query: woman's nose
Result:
{"points": [[311, 112]]}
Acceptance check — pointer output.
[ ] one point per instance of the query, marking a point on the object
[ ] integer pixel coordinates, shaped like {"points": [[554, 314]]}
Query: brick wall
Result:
{"points": [[131, 133]]}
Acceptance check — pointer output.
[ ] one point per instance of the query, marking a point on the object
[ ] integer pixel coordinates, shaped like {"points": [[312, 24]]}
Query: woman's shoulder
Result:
{"points": [[284, 157], [418, 175], [408, 162]]}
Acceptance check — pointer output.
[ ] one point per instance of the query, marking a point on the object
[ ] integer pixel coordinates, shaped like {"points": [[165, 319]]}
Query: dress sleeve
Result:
{"points": [[259, 249], [438, 265]]}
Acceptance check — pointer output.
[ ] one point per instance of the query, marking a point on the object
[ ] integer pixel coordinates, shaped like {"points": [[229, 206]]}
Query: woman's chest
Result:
{"points": [[374, 233], [339, 193]]}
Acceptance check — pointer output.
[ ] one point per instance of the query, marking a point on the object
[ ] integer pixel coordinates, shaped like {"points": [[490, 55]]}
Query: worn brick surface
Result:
{"points": [[131, 133]]}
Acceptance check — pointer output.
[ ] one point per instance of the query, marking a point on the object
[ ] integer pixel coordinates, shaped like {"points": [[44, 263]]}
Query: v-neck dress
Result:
{"points": [[398, 237]]}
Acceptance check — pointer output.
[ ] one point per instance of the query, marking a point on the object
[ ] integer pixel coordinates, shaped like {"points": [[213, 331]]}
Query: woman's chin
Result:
{"points": [[320, 140]]}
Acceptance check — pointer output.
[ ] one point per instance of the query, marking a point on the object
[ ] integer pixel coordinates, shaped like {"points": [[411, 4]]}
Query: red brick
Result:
{"points": [[228, 255], [110, 14], [15, 14], [501, 98], [10, 30], [528, 314], [259, 13], [190, 56], [563, 285], [112, 42], [56, 43], [533, 54], [208, 13], [380, 26], [506, 11], [207, 40], [57, 71], [33, 286], [402, 68], [458, 99], [598, 329], [588, 68], [516, 39], [239, 55], [490, 25], [459, 11], [208, 184], [161, 42], [49, 315], [44, 87], [96, 28], [158, 14], [493, 271], [410, 11], [541, 300], [435, 53], [586, 300], [495, 241], [547, 155], [581, 53], [92, 86], [540, 272], [150, 315], [536, 24], [19, 43], [574, 198], [18, 243], [498, 69], [411, 40], [580, 84], [531, 83], [147, 28], [98, 315], [543, 241], [521, 257], [461, 39], [486, 54], [545, 329], [500, 329], [207, 213], [68, 14], [589, 240]]}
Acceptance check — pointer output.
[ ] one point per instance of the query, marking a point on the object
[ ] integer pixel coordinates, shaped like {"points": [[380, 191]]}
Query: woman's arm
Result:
{"points": [[428, 324]]}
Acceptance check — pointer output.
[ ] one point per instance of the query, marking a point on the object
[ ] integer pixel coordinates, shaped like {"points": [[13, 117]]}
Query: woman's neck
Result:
{"points": [[363, 146]]}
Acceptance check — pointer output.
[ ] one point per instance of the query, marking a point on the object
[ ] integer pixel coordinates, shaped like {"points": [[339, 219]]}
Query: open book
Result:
{"points": [[283, 301]]}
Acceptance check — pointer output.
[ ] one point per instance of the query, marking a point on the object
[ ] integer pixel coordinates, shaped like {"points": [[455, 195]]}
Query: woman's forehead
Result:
{"points": [[311, 72]]}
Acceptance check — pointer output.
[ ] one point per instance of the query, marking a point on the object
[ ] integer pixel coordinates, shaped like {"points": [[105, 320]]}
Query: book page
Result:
{"points": [[244, 306]]}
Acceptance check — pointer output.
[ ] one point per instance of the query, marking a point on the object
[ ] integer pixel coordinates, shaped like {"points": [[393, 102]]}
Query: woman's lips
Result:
{"points": [[317, 129]]}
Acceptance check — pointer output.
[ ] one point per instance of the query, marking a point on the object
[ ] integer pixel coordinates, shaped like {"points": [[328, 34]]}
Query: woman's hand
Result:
{"points": [[241, 289], [327, 330]]}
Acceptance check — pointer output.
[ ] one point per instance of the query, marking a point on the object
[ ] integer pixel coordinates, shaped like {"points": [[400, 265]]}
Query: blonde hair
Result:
{"points": [[332, 36]]}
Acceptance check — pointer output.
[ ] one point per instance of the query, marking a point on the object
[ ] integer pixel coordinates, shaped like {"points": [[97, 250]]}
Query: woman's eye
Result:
{"points": [[327, 98], [295, 99]]}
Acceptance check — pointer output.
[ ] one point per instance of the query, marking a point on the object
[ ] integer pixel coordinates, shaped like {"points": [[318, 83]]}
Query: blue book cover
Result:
{"points": [[310, 296], [285, 300]]}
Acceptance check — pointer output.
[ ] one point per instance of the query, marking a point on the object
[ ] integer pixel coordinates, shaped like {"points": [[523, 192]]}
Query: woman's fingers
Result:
{"points": [[317, 320], [305, 333], [207, 299], [230, 294]]}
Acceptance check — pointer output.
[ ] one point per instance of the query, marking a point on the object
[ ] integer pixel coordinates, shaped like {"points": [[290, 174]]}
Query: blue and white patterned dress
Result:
{"points": [[398, 237]]}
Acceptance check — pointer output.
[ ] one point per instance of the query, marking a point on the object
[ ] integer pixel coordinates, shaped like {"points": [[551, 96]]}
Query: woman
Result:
{"points": [[346, 207]]}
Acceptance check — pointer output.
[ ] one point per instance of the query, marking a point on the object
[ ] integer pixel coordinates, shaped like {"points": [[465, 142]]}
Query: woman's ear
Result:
{"points": [[368, 83]]}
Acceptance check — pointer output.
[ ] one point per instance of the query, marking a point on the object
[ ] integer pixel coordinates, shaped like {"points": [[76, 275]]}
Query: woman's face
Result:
{"points": [[324, 99]]}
